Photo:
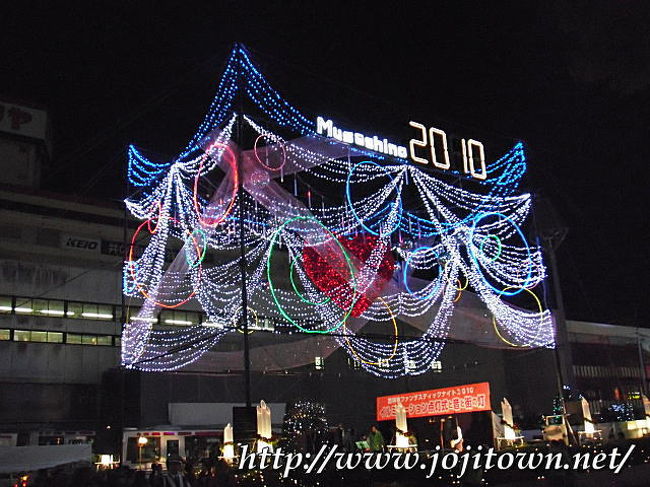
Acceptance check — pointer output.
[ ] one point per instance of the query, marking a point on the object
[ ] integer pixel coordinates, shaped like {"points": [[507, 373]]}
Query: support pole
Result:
{"points": [[562, 346], [644, 377], [242, 245]]}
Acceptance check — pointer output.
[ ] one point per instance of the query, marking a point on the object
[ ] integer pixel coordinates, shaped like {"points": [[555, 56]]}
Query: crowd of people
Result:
{"points": [[180, 473], [177, 474]]}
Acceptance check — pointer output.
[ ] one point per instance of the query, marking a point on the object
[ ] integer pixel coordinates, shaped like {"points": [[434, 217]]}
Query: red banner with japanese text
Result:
{"points": [[467, 398]]}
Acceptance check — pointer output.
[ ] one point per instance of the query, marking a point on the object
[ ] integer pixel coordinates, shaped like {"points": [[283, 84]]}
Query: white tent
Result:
{"points": [[31, 458]]}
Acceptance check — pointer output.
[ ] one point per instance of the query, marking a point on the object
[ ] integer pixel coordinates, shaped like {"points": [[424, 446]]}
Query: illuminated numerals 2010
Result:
{"points": [[435, 139]]}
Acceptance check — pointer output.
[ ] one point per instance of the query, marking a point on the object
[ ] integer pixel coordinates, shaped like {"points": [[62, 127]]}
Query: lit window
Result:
{"points": [[88, 340], [5, 304], [179, 318], [54, 337], [38, 336], [267, 324], [73, 339], [21, 335], [105, 340], [97, 312], [319, 363], [354, 363], [74, 310], [24, 306], [49, 307], [5, 335]]}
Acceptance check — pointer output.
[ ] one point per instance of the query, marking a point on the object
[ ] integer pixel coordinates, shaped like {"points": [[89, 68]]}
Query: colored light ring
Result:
{"points": [[496, 328], [498, 240], [284, 153], [405, 273], [130, 269], [378, 363], [201, 256], [295, 288], [459, 289], [447, 227], [274, 295], [240, 329], [131, 263], [160, 209], [349, 198], [478, 266], [534, 283], [460, 284], [213, 222]]}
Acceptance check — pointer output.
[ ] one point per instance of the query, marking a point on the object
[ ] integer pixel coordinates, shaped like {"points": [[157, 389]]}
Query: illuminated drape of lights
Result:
{"points": [[191, 204]]}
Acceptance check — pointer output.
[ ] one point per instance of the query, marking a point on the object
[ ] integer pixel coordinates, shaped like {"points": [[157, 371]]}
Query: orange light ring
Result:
{"points": [[131, 260], [284, 153], [459, 290], [157, 221]]}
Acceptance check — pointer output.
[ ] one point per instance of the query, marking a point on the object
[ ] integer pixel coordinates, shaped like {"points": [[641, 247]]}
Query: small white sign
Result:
{"points": [[80, 243], [22, 120]]}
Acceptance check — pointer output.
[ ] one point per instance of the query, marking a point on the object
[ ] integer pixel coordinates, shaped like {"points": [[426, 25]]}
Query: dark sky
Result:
{"points": [[571, 79]]}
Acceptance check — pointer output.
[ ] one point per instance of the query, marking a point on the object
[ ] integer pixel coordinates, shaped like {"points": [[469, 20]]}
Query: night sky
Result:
{"points": [[570, 79]]}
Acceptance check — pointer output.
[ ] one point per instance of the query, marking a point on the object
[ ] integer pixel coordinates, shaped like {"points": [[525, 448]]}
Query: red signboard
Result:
{"points": [[467, 398]]}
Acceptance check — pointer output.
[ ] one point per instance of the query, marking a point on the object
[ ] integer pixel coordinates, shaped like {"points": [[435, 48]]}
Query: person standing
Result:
{"points": [[156, 477], [375, 439], [174, 476]]}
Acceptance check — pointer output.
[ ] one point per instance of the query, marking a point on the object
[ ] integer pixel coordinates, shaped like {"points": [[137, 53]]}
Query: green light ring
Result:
{"points": [[198, 260], [295, 288], [495, 237], [273, 241]]}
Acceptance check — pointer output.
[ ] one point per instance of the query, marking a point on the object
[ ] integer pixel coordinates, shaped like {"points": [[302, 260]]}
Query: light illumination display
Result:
{"points": [[336, 237]]}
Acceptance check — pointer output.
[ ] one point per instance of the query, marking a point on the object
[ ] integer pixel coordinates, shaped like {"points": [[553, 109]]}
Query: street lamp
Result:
{"points": [[142, 441]]}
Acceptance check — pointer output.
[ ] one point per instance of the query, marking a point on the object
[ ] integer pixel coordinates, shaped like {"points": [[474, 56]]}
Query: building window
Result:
{"points": [[73, 338], [105, 340], [21, 335], [6, 305], [23, 306], [5, 335], [54, 337], [179, 318], [49, 307], [88, 340], [354, 363], [319, 363], [117, 341], [132, 316], [38, 336], [88, 311]]}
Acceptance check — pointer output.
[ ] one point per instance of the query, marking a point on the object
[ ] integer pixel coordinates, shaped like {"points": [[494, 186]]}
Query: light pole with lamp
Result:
{"points": [[142, 441]]}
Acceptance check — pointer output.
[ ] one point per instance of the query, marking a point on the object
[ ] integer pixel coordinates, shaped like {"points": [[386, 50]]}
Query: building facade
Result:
{"points": [[61, 315]]}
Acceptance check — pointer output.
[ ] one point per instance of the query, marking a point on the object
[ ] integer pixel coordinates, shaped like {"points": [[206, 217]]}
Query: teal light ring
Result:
{"points": [[274, 295], [199, 258], [472, 255], [295, 288], [406, 265], [348, 196], [495, 237]]}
